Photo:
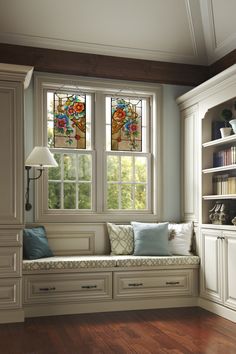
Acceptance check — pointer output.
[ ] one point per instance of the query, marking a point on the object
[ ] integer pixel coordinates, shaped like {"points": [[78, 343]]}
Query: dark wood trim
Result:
{"points": [[223, 63], [103, 66]]}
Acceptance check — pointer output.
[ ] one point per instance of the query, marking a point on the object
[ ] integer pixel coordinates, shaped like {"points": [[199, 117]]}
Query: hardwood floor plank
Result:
{"points": [[164, 331]]}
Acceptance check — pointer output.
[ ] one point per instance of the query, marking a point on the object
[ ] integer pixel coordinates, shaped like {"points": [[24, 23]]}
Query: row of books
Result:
{"points": [[224, 184], [224, 157]]}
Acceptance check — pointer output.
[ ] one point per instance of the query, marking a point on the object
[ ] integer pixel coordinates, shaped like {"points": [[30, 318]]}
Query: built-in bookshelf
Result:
{"points": [[218, 167]]}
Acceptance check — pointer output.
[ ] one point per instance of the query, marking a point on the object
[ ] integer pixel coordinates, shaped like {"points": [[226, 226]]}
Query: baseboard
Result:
{"points": [[10, 316], [217, 309], [107, 306]]}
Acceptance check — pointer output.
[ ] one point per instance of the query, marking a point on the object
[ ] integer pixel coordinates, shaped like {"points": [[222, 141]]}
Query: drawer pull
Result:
{"points": [[172, 282], [89, 286], [47, 289], [135, 284]]}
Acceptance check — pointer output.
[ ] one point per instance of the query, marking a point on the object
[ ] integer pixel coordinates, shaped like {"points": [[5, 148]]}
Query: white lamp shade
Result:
{"points": [[41, 156]]}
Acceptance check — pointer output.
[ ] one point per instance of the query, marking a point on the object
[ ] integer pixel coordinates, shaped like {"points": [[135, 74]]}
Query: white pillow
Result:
{"points": [[180, 238], [121, 239]]}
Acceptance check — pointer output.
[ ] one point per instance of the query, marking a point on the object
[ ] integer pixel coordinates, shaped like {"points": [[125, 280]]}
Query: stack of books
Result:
{"points": [[224, 157], [224, 184]]}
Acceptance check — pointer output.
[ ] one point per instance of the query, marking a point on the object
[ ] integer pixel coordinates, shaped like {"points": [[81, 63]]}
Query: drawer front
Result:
{"points": [[9, 237], [10, 261], [10, 293], [64, 287], [153, 283]]}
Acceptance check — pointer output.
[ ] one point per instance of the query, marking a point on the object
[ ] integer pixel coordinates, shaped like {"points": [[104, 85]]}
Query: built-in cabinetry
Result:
{"points": [[13, 80], [209, 187]]}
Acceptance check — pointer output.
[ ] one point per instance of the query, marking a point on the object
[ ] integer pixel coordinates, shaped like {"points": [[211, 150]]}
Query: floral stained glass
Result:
{"points": [[126, 116], [69, 125]]}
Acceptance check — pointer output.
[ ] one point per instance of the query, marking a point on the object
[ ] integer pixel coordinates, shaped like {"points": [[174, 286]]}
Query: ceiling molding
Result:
{"points": [[215, 51], [100, 49]]}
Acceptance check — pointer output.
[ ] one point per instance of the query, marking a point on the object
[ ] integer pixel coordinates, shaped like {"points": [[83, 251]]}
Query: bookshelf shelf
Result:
{"points": [[222, 141], [219, 169], [219, 196]]}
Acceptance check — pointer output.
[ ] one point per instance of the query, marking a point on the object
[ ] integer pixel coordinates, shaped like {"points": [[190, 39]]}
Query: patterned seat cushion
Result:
{"points": [[90, 262], [151, 261]]}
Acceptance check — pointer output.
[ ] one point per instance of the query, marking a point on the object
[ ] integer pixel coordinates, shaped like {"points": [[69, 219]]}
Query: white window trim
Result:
{"points": [[43, 82]]}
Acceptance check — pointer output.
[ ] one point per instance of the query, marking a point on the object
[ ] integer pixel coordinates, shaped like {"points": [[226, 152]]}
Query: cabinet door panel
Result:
{"points": [[211, 286], [230, 267], [11, 153]]}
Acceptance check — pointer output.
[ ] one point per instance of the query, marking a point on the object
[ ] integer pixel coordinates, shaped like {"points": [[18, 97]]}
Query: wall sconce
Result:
{"points": [[39, 157]]}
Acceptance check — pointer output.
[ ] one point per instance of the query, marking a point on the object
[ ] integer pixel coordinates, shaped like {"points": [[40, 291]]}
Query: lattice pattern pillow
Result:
{"points": [[121, 239]]}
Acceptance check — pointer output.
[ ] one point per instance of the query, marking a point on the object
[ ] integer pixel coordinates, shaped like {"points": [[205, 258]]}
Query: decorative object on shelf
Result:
{"points": [[234, 221], [226, 131], [40, 157], [218, 215]]}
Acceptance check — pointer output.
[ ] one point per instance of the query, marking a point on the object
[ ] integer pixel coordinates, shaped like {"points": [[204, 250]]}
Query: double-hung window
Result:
{"points": [[104, 138]]}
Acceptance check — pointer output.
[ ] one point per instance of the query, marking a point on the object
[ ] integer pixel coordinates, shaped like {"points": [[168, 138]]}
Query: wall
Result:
{"points": [[171, 149]]}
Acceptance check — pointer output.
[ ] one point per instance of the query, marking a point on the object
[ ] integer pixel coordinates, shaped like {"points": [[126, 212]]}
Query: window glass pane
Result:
{"points": [[140, 196], [55, 172], [113, 168], [54, 195], [126, 124], [112, 196], [126, 196], [140, 169], [69, 195], [85, 167], [126, 168], [84, 196], [69, 166]]}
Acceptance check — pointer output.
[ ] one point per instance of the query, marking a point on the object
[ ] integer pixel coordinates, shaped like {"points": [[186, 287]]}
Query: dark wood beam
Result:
{"points": [[103, 66], [223, 63]]}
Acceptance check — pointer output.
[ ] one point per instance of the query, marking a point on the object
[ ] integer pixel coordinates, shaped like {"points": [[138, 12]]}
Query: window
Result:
{"points": [[104, 138]]}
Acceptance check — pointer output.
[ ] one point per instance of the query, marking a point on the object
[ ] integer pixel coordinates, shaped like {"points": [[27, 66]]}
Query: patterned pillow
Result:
{"points": [[121, 239], [180, 238]]}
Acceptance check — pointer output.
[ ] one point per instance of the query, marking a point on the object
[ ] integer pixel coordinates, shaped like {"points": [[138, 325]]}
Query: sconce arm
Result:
{"points": [[28, 205]]}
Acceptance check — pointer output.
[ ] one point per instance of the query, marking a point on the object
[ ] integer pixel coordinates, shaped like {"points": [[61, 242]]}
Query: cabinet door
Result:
{"points": [[11, 153], [229, 244], [211, 265], [190, 164]]}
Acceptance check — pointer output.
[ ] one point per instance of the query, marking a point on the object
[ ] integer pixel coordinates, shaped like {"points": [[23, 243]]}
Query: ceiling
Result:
{"points": [[180, 31]]}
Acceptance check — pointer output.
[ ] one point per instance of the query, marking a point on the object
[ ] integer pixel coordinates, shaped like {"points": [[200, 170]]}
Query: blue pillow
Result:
{"points": [[35, 243], [151, 239]]}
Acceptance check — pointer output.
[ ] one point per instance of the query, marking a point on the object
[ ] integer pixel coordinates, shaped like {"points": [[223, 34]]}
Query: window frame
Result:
{"points": [[102, 88]]}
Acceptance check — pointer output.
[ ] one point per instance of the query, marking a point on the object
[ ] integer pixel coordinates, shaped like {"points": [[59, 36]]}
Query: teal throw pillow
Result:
{"points": [[35, 243], [151, 239]]}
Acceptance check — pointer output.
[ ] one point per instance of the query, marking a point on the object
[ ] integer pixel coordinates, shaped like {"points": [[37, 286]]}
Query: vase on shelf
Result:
{"points": [[232, 122], [226, 131]]}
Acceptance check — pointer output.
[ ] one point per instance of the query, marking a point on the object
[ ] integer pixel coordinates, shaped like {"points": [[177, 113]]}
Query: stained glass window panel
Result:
{"points": [[126, 124], [67, 120]]}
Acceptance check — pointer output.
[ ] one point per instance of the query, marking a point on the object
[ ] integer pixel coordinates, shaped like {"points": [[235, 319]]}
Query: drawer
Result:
{"points": [[153, 283], [10, 237], [10, 293], [67, 287], [10, 261]]}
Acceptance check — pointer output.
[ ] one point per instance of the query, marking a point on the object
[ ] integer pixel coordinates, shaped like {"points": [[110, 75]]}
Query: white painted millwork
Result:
{"points": [[13, 80], [217, 243]]}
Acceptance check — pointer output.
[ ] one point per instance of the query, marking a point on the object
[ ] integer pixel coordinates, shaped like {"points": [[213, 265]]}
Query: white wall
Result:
{"points": [[171, 152]]}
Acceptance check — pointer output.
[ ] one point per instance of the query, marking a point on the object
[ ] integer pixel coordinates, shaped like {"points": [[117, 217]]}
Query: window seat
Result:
{"points": [[61, 263]]}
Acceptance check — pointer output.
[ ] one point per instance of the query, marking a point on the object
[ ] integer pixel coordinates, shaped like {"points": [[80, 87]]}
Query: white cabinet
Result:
{"points": [[13, 80], [218, 266]]}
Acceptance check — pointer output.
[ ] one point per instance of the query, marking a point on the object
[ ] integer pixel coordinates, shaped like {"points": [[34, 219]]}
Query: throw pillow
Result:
{"points": [[35, 243], [121, 239], [151, 239], [180, 238]]}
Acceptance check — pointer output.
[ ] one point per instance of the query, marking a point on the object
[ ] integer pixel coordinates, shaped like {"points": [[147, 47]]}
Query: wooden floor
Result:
{"points": [[165, 331]]}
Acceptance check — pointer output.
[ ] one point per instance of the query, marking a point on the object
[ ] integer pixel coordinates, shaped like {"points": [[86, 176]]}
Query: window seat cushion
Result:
{"points": [[105, 261]]}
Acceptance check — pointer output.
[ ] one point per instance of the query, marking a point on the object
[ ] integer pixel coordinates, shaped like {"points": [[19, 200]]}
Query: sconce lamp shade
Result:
{"points": [[42, 157]]}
